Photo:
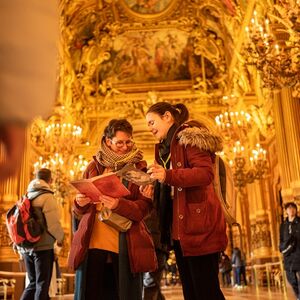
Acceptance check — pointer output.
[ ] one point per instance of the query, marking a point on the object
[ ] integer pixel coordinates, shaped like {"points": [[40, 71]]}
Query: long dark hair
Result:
{"points": [[178, 111]]}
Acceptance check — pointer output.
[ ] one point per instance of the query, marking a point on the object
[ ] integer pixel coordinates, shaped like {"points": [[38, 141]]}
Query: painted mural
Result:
{"points": [[151, 56], [147, 6]]}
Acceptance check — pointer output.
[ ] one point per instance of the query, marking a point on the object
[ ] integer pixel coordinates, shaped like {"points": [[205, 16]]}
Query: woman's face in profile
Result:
{"points": [[121, 143], [159, 125]]}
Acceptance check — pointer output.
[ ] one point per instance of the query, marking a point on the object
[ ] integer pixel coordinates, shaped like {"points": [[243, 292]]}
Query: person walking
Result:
{"points": [[225, 269], [193, 218], [112, 262], [39, 258], [290, 246], [237, 265]]}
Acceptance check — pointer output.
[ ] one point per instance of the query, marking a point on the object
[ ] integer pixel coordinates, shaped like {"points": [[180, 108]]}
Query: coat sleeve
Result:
{"points": [[134, 209], [199, 171], [282, 243], [79, 211], [51, 213]]}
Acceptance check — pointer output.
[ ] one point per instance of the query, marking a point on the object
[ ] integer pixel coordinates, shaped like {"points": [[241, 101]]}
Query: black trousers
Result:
{"points": [[293, 278], [108, 275], [39, 267], [199, 275], [102, 277]]}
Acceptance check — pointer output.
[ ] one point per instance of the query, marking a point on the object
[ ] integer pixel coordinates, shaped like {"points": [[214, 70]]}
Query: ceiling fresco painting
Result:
{"points": [[147, 7], [114, 47]]}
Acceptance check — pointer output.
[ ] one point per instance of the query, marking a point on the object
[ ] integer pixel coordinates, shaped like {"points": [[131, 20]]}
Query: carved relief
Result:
{"points": [[260, 234], [111, 51]]}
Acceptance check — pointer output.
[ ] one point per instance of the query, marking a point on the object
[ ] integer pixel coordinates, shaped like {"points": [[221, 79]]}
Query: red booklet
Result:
{"points": [[107, 184]]}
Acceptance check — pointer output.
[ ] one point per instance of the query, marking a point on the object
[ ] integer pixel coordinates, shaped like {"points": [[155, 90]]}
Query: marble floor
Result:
{"points": [[249, 293]]}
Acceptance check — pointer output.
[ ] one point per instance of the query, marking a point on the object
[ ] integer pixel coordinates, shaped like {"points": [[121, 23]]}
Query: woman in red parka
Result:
{"points": [[184, 167], [109, 263]]}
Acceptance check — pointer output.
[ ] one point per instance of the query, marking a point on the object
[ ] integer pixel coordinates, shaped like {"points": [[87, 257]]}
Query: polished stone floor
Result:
{"points": [[249, 293], [235, 294]]}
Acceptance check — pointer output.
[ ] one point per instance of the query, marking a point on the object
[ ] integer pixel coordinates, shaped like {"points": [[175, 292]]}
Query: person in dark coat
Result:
{"points": [[290, 246], [225, 269], [109, 263], [194, 222]]}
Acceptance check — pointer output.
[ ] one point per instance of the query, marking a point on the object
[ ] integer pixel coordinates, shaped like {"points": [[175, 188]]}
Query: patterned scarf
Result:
{"points": [[109, 159]]}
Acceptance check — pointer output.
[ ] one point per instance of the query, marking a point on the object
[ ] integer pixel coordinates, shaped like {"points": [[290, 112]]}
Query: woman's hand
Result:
{"points": [[147, 190], [109, 202], [82, 199], [157, 172]]}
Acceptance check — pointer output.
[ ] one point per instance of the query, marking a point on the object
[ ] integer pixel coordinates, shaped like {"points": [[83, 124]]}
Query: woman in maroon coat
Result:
{"points": [[109, 263], [184, 161]]}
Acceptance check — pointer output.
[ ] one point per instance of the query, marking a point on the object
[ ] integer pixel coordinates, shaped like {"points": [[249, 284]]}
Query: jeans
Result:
{"points": [[38, 266]]}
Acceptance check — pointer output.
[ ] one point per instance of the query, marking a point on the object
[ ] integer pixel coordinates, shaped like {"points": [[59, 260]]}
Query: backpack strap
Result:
{"points": [[217, 186], [40, 192]]}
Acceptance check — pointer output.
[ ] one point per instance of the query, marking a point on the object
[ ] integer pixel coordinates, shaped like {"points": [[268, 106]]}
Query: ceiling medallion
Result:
{"points": [[148, 10]]}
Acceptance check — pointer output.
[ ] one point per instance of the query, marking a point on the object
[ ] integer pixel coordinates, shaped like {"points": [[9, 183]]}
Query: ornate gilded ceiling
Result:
{"points": [[117, 57], [111, 48]]}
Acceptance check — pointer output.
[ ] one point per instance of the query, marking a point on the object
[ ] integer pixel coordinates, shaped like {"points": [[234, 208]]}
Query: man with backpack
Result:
{"points": [[39, 257]]}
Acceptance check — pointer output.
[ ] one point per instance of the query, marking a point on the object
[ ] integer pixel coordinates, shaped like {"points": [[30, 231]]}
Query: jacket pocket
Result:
{"points": [[197, 219]]}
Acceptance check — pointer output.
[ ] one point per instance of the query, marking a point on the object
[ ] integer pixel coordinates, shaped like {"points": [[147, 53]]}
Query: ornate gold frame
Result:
{"points": [[149, 17]]}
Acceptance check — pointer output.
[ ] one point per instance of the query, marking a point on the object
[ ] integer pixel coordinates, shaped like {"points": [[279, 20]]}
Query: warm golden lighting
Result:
{"points": [[57, 140], [246, 166], [233, 125], [273, 48], [63, 170]]}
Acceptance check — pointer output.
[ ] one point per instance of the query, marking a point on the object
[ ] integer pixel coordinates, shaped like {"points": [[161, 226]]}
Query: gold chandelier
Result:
{"points": [[62, 172], [247, 165], [233, 125], [276, 56], [247, 168], [56, 141]]}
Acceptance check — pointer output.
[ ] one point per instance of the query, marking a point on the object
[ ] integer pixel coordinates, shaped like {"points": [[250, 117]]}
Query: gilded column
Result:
{"points": [[261, 246], [284, 158], [291, 117]]}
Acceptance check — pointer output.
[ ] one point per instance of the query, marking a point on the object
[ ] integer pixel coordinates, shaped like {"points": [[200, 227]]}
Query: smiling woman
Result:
{"points": [[109, 262], [192, 212]]}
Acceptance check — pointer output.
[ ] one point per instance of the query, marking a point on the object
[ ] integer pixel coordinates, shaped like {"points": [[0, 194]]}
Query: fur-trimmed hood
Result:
{"points": [[201, 138]]}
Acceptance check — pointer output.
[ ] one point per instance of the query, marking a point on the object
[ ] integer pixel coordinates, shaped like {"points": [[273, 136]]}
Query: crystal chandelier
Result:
{"points": [[276, 56]]}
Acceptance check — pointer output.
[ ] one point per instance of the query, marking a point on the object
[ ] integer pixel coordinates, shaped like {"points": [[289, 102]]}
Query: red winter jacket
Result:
{"points": [[134, 207], [198, 220]]}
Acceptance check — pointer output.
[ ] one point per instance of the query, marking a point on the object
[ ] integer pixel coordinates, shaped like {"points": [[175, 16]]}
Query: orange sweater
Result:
{"points": [[104, 237]]}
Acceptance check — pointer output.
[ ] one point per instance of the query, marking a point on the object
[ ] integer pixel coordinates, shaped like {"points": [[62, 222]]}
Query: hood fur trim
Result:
{"points": [[201, 138]]}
